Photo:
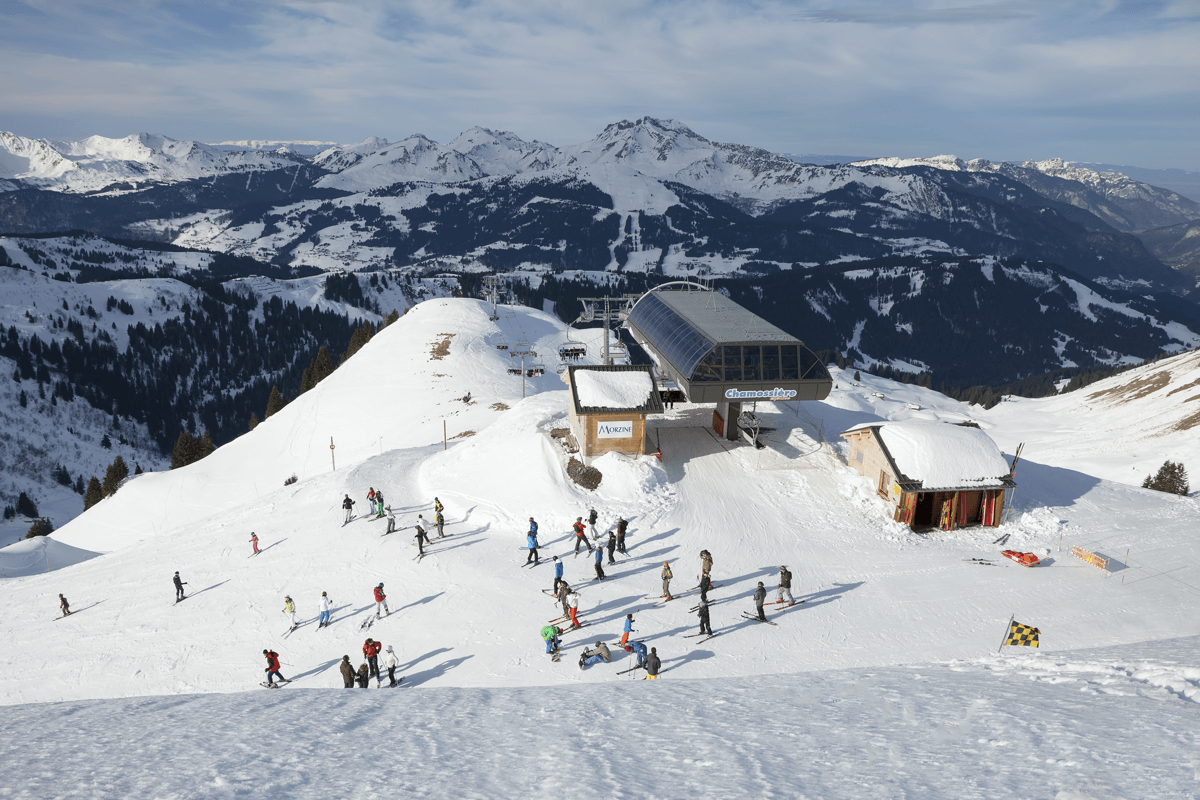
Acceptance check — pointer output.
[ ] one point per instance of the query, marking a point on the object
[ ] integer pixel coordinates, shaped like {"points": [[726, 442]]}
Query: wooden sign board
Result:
{"points": [[1091, 558]]}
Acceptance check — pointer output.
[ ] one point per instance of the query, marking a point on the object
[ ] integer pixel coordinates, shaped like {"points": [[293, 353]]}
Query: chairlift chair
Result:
{"points": [[502, 344]]}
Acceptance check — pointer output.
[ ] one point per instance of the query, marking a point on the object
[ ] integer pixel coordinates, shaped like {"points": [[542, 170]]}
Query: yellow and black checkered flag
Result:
{"points": [[1021, 635]]}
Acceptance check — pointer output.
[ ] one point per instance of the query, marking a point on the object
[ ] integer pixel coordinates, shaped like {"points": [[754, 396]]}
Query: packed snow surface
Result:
{"points": [[597, 389], [944, 456], [884, 681]]}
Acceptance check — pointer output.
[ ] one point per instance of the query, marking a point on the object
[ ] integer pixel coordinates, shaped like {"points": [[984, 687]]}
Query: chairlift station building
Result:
{"points": [[716, 351]]}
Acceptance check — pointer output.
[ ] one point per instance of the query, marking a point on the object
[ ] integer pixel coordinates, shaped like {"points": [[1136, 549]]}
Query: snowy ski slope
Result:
{"points": [[820, 705]]}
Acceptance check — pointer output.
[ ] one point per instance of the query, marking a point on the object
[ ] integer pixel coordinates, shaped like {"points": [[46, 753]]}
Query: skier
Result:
{"points": [[558, 573], [437, 506], [531, 542], [371, 651], [363, 676], [580, 536], [273, 668], [590, 656], [254, 542], [564, 589], [653, 665], [592, 517], [348, 505], [326, 607], [179, 584], [380, 602], [392, 662], [440, 520], [64, 605], [421, 538], [612, 547], [573, 608], [702, 612], [391, 519], [705, 562], [289, 608], [705, 586], [760, 597], [628, 629], [599, 569], [785, 586], [378, 505], [638, 649], [371, 499], [550, 634], [347, 672], [666, 579], [622, 524]]}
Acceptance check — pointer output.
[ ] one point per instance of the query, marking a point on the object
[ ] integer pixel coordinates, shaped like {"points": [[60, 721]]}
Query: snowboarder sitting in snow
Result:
{"points": [[347, 672], [64, 605], [595, 656], [273, 668], [348, 505], [550, 634]]}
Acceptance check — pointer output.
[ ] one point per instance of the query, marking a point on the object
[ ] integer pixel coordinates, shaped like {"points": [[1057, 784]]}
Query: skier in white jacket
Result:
{"points": [[391, 662], [326, 607]]}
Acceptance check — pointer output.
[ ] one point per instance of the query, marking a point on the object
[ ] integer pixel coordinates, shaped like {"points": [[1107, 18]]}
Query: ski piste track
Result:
{"points": [[881, 603]]}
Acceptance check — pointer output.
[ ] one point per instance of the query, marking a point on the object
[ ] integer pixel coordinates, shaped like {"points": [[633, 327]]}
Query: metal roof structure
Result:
{"points": [[716, 350]]}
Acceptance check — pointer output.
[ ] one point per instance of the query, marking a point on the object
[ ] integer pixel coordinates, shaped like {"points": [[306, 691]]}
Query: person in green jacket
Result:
{"points": [[550, 634]]}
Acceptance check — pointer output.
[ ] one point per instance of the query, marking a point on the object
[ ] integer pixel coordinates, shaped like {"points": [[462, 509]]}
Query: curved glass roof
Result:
{"points": [[673, 336]]}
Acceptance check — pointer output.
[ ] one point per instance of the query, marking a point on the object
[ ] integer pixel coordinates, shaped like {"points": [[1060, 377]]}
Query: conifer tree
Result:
{"points": [[26, 507], [253, 420], [274, 402], [181, 454], [204, 446], [362, 334], [40, 527], [390, 318], [1171, 477], [93, 495], [117, 471]]}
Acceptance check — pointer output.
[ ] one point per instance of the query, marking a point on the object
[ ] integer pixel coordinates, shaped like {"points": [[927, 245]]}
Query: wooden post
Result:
{"points": [[331, 457], [444, 444], [1126, 566], [1007, 628]]}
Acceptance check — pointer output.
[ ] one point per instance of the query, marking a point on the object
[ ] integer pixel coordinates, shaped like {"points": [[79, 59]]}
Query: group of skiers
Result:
{"points": [[370, 668]]}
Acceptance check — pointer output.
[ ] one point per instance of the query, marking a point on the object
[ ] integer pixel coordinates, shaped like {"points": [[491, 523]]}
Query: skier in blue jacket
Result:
{"points": [[639, 650], [558, 574], [599, 568], [531, 541]]}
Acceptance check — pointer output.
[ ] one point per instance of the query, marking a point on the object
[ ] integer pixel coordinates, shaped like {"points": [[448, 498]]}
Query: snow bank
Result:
{"points": [[944, 456], [38, 555], [616, 390]]}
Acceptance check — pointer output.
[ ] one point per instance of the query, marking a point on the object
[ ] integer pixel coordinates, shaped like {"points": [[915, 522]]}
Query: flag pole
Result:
{"points": [[1006, 630]]}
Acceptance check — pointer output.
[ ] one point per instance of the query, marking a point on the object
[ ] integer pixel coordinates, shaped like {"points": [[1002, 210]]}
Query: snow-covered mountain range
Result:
{"points": [[884, 681]]}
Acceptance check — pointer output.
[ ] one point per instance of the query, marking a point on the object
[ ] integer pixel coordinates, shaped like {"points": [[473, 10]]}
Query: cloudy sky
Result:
{"points": [[1114, 81]]}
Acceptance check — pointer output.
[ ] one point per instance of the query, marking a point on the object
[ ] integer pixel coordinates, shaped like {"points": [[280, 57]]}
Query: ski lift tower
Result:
{"points": [[615, 309], [522, 350], [492, 284]]}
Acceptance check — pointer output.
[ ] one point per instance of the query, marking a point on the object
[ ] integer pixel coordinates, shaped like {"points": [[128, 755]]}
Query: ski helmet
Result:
{"points": [[760, 583], [381, 586], [665, 564], [389, 648], [323, 594], [579, 519], [264, 652]]}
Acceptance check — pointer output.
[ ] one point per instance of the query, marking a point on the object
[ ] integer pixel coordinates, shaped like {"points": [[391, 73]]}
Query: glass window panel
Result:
{"points": [[770, 362], [751, 364], [733, 363], [788, 363], [709, 368]]}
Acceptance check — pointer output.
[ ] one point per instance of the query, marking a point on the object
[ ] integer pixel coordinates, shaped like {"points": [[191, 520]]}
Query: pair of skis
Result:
{"points": [[756, 619], [266, 685]]}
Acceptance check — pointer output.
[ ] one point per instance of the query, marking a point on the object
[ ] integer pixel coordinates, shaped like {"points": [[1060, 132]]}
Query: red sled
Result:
{"points": [[1024, 559]]}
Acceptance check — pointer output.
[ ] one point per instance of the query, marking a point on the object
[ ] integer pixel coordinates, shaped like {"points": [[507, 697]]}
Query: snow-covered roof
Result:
{"points": [[942, 456], [599, 389]]}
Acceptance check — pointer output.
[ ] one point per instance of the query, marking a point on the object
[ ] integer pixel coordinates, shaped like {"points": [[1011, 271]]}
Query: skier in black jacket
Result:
{"points": [[760, 597], [702, 612], [622, 524], [785, 586], [179, 584], [348, 505], [653, 665], [612, 546]]}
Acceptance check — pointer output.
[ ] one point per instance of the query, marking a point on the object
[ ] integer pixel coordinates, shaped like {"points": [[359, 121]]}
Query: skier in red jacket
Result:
{"points": [[581, 536], [371, 651], [380, 601], [273, 668]]}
